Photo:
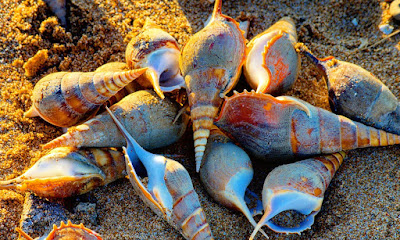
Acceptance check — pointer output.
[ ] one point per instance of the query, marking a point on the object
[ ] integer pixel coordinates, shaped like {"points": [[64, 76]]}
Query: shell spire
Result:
{"points": [[210, 63], [67, 98], [298, 186]]}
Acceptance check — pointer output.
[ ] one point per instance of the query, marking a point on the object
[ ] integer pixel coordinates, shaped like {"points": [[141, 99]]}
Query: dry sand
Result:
{"points": [[362, 201]]}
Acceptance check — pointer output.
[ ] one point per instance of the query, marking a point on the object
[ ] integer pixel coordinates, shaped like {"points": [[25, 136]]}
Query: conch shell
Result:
{"points": [[66, 172], [358, 94], [298, 186], [283, 128], [68, 98], [159, 52], [211, 63], [148, 118], [66, 231], [169, 192], [272, 63]]}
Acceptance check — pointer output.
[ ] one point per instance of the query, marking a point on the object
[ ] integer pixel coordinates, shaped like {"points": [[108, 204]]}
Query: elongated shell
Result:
{"points": [[66, 231], [272, 63], [298, 186], [358, 94], [67, 98], [225, 172], [159, 52], [148, 118], [66, 172], [210, 63], [283, 128], [169, 192]]}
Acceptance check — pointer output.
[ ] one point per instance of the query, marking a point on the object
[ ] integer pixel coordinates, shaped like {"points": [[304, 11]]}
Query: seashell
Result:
{"points": [[225, 172], [66, 172], [148, 118], [298, 186], [280, 129], [169, 192], [67, 98], [394, 9], [272, 63], [358, 94], [65, 231], [159, 52], [210, 63], [58, 7]]}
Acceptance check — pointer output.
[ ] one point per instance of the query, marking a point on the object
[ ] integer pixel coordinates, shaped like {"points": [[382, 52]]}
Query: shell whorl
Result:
{"points": [[67, 98]]}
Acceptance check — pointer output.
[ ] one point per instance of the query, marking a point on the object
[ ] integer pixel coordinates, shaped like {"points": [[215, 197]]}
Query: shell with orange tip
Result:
{"points": [[358, 94], [169, 191], [68, 98], [298, 186], [66, 172], [159, 52], [68, 231], [283, 128], [225, 172], [210, 63], [147, 117], [272, 63]]}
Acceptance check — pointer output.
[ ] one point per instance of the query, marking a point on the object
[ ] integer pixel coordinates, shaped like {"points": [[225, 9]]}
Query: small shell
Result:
{"points": [[67, 98], [298, 186], [159, 52], [283, 128], [272, 63], [358, 94], [225, 172], [211, 63], [66, 231], [148, 118], [169, 191], [66, 172]]}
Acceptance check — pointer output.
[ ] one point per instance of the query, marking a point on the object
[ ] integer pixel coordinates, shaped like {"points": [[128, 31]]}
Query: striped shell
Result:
{"points": [[68, 98], [66, 172], [280, 129], [210, 64], [272, 63], [298, 186], [169, 192], [358, 94]]}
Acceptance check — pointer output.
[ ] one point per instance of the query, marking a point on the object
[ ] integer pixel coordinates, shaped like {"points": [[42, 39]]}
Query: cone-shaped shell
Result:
{"points": [[169, 192], [67, 98], [225, 172], [66, 172], [272, 63], [159, 52], [298, 186], [210, 63], [280, 129], [358, 94], [66, 231], [148, 118]]}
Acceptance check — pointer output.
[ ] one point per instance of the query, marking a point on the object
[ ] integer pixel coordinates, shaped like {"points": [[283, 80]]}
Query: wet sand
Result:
{"points": [[362, 200]]}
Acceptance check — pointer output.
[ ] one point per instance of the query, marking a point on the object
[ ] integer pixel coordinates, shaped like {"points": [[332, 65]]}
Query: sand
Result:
{"points": [[362, 200]]}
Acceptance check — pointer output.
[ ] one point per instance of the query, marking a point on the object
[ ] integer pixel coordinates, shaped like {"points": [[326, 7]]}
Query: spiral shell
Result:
{"points": [[210, 63], [298, 186], [66, 231], [169, 192], [67, 98], [66, 172], [159, 52], [283, 128], [358, 94], [148, 118], [272, 63]]}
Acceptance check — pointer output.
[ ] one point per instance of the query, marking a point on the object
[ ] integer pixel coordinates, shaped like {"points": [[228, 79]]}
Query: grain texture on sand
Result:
{"points": [[362, 201]]}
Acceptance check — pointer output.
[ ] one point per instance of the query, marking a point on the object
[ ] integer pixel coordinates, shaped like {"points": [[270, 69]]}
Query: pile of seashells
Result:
{"points": [[271, 129]]}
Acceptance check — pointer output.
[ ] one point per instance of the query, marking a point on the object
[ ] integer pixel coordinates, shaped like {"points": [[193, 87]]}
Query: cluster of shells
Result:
{"points": [[270, 129]]}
